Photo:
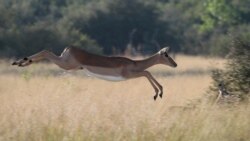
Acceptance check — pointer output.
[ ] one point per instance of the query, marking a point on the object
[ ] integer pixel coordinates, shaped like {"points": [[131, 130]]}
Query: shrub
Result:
{"points": [[236, 75]]}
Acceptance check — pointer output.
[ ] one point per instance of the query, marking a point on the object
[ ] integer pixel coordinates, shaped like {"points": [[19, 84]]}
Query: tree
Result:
{"points": [[28, 26], [218, 13], [112, 25]]}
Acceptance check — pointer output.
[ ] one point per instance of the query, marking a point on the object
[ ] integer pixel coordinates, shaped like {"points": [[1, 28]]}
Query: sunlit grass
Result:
{"points": [[41, 103]]}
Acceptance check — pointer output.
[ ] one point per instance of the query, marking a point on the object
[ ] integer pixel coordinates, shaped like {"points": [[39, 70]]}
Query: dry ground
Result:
{"points": [[43, 103]]}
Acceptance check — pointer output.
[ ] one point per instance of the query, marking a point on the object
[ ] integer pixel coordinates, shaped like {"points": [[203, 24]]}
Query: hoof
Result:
{"points": [[155, 97], [160, 95], [14, 63], [23, 62]]}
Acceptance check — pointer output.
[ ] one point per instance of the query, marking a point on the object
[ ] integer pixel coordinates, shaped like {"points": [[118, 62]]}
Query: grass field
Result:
{"points": [[43, 103]]}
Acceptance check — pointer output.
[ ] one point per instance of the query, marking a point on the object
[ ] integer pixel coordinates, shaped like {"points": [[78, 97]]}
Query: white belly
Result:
{"points": [[105, 77]]}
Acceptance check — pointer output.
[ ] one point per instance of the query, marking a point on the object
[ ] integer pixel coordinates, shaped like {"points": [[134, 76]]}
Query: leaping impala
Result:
{"points": [[103, 67]]}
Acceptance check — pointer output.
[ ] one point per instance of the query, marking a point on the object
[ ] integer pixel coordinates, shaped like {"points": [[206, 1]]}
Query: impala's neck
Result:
{"points": [[146, 63]]}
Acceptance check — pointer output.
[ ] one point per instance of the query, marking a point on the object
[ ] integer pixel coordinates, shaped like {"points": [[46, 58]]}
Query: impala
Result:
{"points": [[103, 67]]}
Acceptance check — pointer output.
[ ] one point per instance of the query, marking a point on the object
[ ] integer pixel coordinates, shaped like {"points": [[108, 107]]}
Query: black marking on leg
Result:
{"points": [[160, 95], [25, 59], [155, 97], [14, 63], [30, 61]]}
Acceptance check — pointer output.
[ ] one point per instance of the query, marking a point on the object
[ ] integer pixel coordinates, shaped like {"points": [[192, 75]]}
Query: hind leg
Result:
{"points": [[36, 57], [65, 61]]}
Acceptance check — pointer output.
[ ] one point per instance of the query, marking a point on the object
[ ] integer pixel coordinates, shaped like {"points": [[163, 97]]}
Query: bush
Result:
{"points": [[236, 75]]}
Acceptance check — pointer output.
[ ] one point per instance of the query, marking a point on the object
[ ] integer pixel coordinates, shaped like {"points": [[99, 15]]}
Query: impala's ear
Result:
{"points": [[164, 50]]}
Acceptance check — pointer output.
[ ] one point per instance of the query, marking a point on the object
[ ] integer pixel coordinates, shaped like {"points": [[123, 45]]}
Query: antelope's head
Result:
{"points": [[165, 58]]}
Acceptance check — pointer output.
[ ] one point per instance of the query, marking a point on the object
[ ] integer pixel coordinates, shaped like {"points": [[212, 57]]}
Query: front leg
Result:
{"points": [[150, 78], [158, 84]]}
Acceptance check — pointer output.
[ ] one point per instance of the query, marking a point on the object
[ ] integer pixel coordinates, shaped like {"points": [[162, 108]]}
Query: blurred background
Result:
{"points": [[206, 98], [122, 26]]}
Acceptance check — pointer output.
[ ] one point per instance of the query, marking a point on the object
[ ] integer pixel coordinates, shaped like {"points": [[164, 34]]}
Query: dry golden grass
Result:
{"points": [[41, 103]]}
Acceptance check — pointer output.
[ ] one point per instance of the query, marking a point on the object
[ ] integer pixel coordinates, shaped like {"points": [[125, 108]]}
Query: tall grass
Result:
{"points": [[41, 106]]}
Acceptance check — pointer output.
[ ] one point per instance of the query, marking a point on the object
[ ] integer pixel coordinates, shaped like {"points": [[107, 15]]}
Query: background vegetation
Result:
{"points": [[236, 75], [111, 26], [42, 102]]}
